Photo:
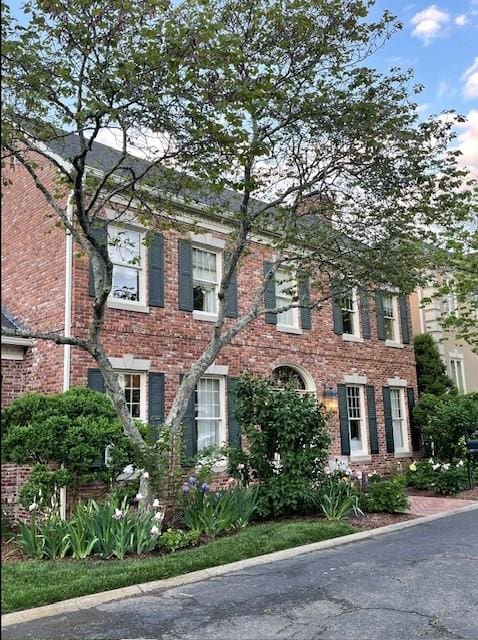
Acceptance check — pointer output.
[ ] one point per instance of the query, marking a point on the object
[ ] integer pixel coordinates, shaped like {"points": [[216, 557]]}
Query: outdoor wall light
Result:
{"points": [[329, 398]]}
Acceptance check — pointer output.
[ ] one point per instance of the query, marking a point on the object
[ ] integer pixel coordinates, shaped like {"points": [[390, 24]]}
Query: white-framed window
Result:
{"points": [[286, 286], [356, 419], [390, 317], [210, 410], [397, 401], [134, 385], [457, 374], [206, 279], [128, 255], [350, 313]]}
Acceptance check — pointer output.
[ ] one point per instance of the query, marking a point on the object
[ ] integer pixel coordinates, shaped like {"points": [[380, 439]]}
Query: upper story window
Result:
{"points": [[350, 313], [206, 277], [356, 419], [456, 366], [125, 249], [285, 286], [210, 412], [390, 317], [397, 403]]}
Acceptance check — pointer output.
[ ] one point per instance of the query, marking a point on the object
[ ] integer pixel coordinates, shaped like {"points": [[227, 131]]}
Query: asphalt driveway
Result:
{"points": [[417, 583]]}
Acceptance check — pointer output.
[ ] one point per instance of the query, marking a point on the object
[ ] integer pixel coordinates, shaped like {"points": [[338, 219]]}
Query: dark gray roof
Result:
{"points": [[104, 158]]}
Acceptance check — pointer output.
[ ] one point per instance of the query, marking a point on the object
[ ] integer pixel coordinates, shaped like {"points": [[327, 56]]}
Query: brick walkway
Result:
{"points": [[427, 506]]}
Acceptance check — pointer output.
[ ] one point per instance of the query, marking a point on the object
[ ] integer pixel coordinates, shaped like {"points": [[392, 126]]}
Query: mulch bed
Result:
{"points": [[375, 520], [470, 494]]}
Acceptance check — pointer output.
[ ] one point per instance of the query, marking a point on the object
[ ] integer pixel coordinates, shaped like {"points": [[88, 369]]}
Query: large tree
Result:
{"points": [[270, 99]]}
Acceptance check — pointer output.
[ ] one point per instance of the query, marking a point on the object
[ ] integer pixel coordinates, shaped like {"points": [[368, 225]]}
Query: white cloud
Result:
{"points": [[422, 107], [468, 142], [471, 80], [444, 89], [461, 20], [429, 23]]}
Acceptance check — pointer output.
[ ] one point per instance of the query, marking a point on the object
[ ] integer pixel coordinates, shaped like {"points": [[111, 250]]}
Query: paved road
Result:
{"points": [[418, 583]]}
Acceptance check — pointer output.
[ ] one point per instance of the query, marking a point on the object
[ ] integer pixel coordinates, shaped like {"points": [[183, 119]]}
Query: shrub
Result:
{"points": [[386, 495], [214, 512], [71, 429], [446, 420], [431, 372], [420, 474], [451, 479], [288, 444], [174, 539]]}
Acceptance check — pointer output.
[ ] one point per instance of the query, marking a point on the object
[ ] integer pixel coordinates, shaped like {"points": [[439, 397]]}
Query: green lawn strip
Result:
{"points": [[34, 583]]}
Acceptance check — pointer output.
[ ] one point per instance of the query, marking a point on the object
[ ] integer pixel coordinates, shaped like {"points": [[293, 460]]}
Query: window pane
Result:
{"points": [[355, 417], [124, 246], [208, 412], [389, 329], [397, 417], [125, 283], [284, 296], [132, 390], [204, 266], [388, 306]]}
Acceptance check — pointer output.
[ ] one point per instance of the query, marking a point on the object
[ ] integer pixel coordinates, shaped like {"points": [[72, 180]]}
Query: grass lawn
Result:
{"points": [[33, 583]]}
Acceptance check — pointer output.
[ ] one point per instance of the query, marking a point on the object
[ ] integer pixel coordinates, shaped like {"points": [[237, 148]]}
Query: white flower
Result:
{"points": [[436, 466], [159, 515], [145, 475], [327, 471], [155, 503], [459, 463], [118, 514], [139, 496], [33, 506], [446, 466], [154, 531]]}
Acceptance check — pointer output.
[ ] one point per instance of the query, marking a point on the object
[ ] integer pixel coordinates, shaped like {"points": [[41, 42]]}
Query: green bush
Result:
{"points": [[174, 539], [288, 443], [445, 420], [71, 429], [215, 512], [386, 495], [450, 480], [338, 498], [420, 474]]}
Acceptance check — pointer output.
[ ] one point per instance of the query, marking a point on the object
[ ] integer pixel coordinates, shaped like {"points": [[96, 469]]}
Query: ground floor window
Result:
{"points": [[134, 385], [397, 401], [456, 366], [356, 419], [210, 412]]}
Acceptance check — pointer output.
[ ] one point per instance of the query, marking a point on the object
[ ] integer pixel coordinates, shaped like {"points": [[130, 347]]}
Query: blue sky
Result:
{"points": [[439, 41]]}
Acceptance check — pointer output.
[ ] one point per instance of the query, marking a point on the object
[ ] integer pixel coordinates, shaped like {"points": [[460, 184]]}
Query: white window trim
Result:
{"points": [[355, 379], [364, 452], [397, 341], [128, 363], [217, 248], [140, 305], [223, 426], [143, 405], [397, 382], [399, 451], [455, 355], [356, 336]]}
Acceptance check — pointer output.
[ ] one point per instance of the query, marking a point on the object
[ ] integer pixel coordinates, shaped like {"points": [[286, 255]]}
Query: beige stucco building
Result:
{"points": [[460, 361]]}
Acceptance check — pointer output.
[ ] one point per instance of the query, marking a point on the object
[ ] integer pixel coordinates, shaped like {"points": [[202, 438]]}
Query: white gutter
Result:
{"points": [[67, 329], [68, 295]]}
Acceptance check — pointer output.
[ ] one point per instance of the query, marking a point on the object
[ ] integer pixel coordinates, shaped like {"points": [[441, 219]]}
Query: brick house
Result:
{"points": [[356, 356]]}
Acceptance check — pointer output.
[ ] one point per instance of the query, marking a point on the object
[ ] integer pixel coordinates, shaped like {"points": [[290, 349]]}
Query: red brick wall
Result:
{"points": [[33, 271], [16, 375], [13, 476]]}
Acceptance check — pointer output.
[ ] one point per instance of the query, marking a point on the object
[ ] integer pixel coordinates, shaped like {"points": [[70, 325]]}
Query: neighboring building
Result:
{"points": [[460, 361], [356, 355]]}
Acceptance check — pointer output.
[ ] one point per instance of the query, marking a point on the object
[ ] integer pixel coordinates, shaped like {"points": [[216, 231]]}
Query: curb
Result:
{"points": [[86, 602]]}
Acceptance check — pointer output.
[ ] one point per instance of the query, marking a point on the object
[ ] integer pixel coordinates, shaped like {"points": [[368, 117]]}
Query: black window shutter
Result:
{"points": [[337, 311], [185, 268], [387, 414], [343, 420], [380, 315], [233, 428], [270, 296], [414, 431], [156, 271], [96, 381], [156, 402], [190, 438], [364, 313], [372, 419], [305, 311], [404, 323], [231, 295], [100, 232]]}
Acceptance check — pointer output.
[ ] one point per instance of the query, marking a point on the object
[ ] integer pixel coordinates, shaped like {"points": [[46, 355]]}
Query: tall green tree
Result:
{"points": [[271, 99], [432, 377]]}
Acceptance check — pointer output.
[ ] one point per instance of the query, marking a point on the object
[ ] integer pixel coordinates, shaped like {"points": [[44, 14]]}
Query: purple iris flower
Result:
{"points": [[185, 488], [192, 481], [204, 487]]}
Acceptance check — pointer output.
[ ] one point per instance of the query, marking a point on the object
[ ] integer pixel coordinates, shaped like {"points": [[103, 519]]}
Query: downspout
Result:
{"points": [[67, 327]]}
